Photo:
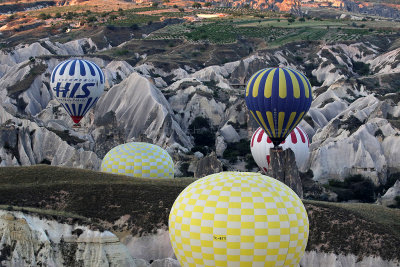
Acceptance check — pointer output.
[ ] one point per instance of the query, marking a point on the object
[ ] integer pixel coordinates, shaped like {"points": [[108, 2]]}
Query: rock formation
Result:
{"points": [[392, 196], [29, 241], [283, 168], [208, 165]]}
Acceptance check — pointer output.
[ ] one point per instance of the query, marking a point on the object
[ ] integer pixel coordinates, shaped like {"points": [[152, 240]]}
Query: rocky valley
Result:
{"points": [[177, 81]]}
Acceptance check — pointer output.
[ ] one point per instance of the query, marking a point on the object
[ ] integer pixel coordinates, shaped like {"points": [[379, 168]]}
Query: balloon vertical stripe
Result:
{"points": [[90, 68], [64, 106], [54, 72], [268, 84], [80, 108], [282, 84], [62, 70], [69, 110], [87, 105], [281, 118], [278, 98], [82, 68], [72, 68], [295, 84], [74, 109]]}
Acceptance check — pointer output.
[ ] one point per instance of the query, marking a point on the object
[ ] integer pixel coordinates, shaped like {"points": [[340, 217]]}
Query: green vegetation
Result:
{"points": [[361, 68], [81, 193], [204, 136], [98, 199], [357, 228], [354, 187], [238, 149]]}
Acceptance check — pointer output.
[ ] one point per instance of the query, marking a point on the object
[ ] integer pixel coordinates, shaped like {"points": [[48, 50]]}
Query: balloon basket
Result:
{"points": [[76, 125], [277, 149]]}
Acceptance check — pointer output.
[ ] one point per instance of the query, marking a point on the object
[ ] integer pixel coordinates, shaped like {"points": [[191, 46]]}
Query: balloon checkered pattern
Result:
{"points": [[139, 160], [238, 219]]}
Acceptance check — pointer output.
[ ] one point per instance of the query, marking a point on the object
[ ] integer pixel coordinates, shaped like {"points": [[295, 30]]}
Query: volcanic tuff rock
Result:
{"points": [[208, 165], [389, 198], [313, 258], [353, 122], [139, 106], [283, 168], [31, 241]]}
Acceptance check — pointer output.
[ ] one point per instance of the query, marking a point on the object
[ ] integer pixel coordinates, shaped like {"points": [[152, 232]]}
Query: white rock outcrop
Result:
{"points": [[140, 107], [317, 259], [389, 198], [40, 242]]}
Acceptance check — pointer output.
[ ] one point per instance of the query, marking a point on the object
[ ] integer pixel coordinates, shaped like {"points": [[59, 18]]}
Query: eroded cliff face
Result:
{"points": [[27, 240]]}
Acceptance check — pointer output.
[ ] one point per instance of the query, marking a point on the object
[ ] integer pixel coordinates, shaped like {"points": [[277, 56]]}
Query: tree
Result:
{"points": [[196, 5], [91, 19], [207, 4], [290, 20], [175, 6], [302, 19], [58, 15], [181, 9], [155, 4], [69, 15], [42, 16]]}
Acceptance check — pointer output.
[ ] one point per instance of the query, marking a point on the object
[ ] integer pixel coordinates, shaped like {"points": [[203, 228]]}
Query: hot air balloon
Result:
{"points": [[77, 84], [297, 141], [278, 98], [139, 160], [238, 219]]}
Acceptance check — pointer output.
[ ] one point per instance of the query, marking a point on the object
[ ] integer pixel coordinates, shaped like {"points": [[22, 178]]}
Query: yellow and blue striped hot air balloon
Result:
{"points": [[278, 98]]}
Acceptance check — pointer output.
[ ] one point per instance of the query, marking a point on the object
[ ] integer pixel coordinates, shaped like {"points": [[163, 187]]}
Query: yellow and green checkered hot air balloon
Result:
{"points": [[278, 98], [238, 219], [139, 160]]}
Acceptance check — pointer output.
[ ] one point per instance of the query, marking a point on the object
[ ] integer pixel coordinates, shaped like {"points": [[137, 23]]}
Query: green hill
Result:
{"points": [[98, 199]]}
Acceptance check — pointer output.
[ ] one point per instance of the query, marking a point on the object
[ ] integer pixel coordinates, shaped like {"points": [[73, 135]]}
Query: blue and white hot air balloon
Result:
{"points": [[77, 84]]}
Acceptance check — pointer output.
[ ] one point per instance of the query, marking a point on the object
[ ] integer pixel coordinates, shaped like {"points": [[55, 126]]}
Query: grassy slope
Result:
{"points": [[71, 195]]}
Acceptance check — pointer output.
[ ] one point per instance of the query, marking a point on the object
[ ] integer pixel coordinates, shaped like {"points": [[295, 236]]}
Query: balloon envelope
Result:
{"points": [[139, 160], [77, 84], [297, 141], [238, 219], [278, 98]]}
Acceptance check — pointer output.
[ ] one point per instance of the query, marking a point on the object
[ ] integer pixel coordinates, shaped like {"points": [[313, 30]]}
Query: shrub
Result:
{"points": [[361, 68], [91, 19], [44, 16], [196, 5], [354, 187], [70, 15], [238, 149], [199, 123]]}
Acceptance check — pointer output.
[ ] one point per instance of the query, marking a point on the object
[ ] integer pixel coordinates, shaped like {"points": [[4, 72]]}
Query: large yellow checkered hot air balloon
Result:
{"points": [[238, 219], [139, 160], [278, 98]]}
